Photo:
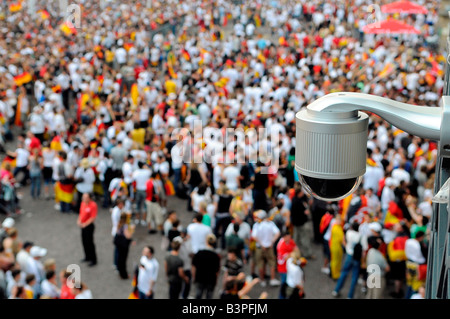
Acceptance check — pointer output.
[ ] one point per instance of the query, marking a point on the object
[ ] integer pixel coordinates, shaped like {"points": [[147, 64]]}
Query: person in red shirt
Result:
{"points": [[86, 218], [35, 143], [66, 291], [285, 246], [152, 201]]}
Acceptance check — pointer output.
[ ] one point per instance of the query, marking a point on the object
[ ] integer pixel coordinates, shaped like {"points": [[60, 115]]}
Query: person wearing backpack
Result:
{"points": [[352, 262]]}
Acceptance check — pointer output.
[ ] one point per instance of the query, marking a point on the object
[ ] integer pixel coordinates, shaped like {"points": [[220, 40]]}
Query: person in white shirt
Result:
{"points": [[294, 276], [231, 175], [22, 155], [400, 174], [198, 233], [23, 255], [127, 170], [121, 56], [387, 195], [141, 177], [82, 292], [37, 123], [265, 233], [148, 273], [49, 287], [35, 267], [86, 177]]}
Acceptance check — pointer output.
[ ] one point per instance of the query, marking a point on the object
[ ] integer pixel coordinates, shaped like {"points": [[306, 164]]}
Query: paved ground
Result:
{"points": [[59, 233]]}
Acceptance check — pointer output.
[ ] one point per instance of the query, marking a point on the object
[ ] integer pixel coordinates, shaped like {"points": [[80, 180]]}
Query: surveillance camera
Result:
{"points": [[330, 153]]}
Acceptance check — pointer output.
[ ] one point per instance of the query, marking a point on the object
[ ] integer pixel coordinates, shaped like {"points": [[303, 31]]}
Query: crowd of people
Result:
{"points": [[135, 105]]}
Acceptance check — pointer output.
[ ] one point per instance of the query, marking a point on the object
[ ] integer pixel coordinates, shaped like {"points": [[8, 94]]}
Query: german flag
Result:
{"points": [[282, 41], [68, 28], [371, 162], [394, 215], [64, 192], [172, 73], [9, 160], [56, 88], [82, 101], [396, 249], [168, 187], [171, 60], [261, 57], [55, 144], [127, 46], [44, 14], [257, 21], [186, 55], [134, 93], [23, 78], [15, 7], [100, 79]]}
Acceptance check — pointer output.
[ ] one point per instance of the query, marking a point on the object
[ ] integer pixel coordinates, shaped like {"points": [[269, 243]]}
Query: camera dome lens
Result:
{"points": [[330, 189]]}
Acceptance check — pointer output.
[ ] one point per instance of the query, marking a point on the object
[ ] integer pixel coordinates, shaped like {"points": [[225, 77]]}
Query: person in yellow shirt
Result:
{"points": [[138, 135], [170, 85], [109, 57]]}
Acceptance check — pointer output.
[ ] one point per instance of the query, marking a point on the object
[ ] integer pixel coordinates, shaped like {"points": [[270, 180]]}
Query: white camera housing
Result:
{"points": [[331, 139]]}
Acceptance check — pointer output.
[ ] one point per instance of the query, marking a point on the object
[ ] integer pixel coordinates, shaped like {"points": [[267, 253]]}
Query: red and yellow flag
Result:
{"points": [[172, 73], [257, 21], [261, 57], [56, 88], [23, 78], [134, 93], [186, 55], [15, 7], [44, 14], [82, 101], [171, 60], [68, 28], [64, 192], [127, 46]]}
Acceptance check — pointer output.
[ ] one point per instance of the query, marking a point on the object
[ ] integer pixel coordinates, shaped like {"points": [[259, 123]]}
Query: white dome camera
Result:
{"points": [[331, 139]]}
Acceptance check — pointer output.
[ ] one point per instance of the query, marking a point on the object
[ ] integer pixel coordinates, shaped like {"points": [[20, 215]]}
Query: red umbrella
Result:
{"points": [[390, 26], [403, 6]]}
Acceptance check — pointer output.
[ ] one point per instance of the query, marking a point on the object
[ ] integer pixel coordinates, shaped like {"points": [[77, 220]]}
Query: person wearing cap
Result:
{"points": [[85, 178], [7, 224], [34, 266], [265, 234], [205, 268]]}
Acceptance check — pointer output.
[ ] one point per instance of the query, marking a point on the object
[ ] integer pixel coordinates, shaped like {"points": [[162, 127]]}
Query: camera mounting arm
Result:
{"points": [[421, 121], [330, 158]]}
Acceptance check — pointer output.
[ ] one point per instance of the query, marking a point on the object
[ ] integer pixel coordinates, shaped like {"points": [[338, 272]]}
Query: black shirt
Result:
{"points": [[298, 207], [207, 264], [173, 264], [223, 206]]}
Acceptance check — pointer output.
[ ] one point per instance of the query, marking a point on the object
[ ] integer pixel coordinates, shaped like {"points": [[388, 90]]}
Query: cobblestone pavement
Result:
{"points": [[59, 233]]}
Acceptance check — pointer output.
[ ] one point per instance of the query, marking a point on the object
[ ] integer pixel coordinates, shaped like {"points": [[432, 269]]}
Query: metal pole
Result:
{"points": [[437, 282]]}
